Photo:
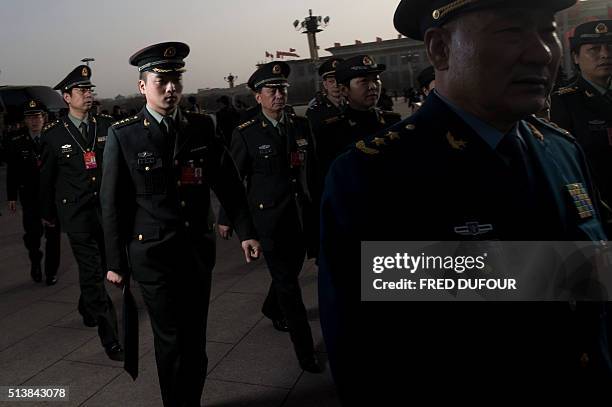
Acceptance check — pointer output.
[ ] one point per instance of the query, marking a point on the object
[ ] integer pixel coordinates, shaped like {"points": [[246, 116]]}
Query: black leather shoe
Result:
{"points": [[310, 365], [51, 280], [280, 325], [36, 273], [114, 352]]}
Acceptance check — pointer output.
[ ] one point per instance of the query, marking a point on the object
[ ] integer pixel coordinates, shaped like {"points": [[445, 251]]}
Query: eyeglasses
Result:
{"points": [[84, 90]]}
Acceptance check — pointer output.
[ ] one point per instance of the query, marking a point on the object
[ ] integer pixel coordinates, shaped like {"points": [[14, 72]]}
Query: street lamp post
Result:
{"points": [[310, 26], [230, 79]]}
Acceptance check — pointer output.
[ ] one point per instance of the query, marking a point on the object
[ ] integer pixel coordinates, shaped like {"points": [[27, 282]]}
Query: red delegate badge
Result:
{"points": [[191, 175], [90, 160]]}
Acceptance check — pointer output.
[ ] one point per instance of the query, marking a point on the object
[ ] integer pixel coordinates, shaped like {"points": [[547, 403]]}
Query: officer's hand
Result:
{"points": [[225, 231], [251, 249], [114, 278], [12, 206], [47, 223]]}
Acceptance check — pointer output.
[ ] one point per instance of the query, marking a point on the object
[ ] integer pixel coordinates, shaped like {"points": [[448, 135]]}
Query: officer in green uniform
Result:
{"points": [[70, 177], [360, 85], [329, 103], [275, 157], [160, 166], [584, 108], [22, 180], [472, 164]]}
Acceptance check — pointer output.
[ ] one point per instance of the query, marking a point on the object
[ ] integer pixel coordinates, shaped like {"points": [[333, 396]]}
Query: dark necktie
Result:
{"points": [[170, 130], [514, 153], [84, 132], [37, 143]]}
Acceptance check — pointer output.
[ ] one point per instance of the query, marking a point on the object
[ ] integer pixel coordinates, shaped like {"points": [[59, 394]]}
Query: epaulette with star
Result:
{"points": [[246, 124], [533, 121], [106, 116], [377, 144], [50, 126], [125, 122], [567, 90]]}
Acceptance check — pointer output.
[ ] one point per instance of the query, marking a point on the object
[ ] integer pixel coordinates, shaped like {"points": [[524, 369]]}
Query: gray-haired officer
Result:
{"points": [[160, 167], [23, 158], [472, 164], [329, 103], [71, 171], [584, 108], [274, 155]]}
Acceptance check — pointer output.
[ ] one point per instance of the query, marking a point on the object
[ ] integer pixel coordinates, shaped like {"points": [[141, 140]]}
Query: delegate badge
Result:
{"points": [[297, 158], [190, 174], [90, 160]]}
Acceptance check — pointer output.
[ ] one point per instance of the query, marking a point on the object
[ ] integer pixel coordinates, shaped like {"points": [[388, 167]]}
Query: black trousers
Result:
{"points": [[284, 298], [178, 310], [88, 249], [33, 232]]}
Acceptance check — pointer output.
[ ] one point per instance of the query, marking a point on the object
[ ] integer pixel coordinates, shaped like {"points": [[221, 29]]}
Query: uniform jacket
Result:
{"points": [[275, 185], [65, 182], [425, 179], [153, 194], [23, 166], [587, 114]]}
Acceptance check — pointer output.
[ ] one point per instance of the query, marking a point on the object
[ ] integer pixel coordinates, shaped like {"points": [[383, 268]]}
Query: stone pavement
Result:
{"points": [[43, 341]]}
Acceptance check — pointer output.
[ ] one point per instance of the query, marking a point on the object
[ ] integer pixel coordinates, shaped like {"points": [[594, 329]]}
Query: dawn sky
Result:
{"points": [[44, 40]]}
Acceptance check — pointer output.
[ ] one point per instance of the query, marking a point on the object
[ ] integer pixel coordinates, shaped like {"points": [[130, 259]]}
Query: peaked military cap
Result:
{"points": [[272, 75], [593, 32], [426, 76], [355, 67], [413, 17], [161, 58], [33, 107], [328, 68], [78, 78]]}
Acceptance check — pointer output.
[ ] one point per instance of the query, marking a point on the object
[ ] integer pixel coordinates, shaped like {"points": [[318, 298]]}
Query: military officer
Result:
{"points": [[22, 180], [274, 155], [427, 80], [71, 170], [359, 81], [328, 105], [584, 108], [160, 166], [472, 155]]}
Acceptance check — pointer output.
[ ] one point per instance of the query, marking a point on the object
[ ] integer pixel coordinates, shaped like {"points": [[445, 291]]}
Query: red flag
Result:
{"points": [[280, 54], [269, 55], [358, 42], [291, 49], [609, 12], [378, 39]]}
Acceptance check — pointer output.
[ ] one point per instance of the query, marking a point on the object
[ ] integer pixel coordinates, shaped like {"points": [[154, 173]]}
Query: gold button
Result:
{"points": [[183, 204], [93, 178], [95, 193], [186, 224], [88, 150], [64, 201], [260, 206], [139, 237], [147, 168], [178, 183], [67, 155], [201, 160]]}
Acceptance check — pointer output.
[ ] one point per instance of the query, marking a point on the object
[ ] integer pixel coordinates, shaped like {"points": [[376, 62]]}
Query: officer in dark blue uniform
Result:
{"points": [[329, 103], [70, 176], [472, 155], [584, 108], [22, 180], [160, 166], [360, 84], [274, 154]]}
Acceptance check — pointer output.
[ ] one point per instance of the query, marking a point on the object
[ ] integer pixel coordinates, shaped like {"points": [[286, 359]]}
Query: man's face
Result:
{"points": [[79, 99], [502, 63], [595, 61], [362, 93], [163, 91], [34, 122], [331, 87], [272, 99]]}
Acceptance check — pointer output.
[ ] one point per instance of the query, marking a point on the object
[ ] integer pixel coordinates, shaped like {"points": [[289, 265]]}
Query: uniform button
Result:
{"points": [[294, 181], [183, 204], [296, 194], [64, 201], [186, 224], [95, 193], [88, 150], [178, 183], [147, 168], [67, 155], [201, 160], [93, 178], [176, 162], [260, 206], [139, 237]]}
